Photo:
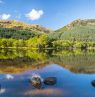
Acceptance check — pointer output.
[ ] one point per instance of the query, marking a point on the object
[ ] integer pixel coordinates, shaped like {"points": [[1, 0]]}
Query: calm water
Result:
{"points": [[74, 71]]}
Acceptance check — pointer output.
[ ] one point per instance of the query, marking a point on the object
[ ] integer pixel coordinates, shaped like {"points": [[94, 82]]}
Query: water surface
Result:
{"points": [[74, 71]]}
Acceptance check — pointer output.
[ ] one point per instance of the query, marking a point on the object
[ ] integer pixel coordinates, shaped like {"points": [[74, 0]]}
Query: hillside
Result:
{"points": [[80, 30], [75, 23], [78, 34], [20, 30]]}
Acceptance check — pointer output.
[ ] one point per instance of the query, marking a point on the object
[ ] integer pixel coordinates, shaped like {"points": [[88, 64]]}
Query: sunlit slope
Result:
{"points": [[80, 30], [20, 30]]}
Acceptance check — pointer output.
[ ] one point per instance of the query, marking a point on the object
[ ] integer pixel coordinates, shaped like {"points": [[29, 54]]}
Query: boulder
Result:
{"points": [[50, 81], [36, 82], [93, 83]]}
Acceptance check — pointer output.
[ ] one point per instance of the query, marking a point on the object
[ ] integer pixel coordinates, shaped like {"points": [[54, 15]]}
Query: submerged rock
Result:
{"points": [[93, 83], [36, 81], [50, 81]]}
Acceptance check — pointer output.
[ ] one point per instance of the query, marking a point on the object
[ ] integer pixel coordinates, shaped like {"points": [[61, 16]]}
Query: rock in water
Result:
{"points": [[93, 83], [50, 81], [36, 81]]}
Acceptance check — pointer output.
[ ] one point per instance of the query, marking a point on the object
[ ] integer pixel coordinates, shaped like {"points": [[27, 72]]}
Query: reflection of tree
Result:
{"points": [[20, 60], [12, 60], [76, 61]]}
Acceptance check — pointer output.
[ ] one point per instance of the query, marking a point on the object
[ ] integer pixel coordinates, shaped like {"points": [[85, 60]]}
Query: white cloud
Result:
{"points": [[5, 16], [35, 14]]}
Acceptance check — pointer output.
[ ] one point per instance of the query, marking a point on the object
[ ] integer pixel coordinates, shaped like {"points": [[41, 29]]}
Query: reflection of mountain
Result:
{"points": [[78, 62], [16, 61], [18, 65]]}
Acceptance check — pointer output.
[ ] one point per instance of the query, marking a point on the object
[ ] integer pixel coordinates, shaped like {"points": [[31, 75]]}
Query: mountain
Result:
{"points": [[75, 23], [80, 30], [17, 29]]}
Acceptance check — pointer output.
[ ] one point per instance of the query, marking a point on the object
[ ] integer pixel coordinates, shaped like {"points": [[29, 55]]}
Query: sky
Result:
{"points": [[53, 14]]}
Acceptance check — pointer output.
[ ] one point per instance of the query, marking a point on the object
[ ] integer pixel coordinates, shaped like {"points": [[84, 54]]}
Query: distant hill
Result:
{"points": [[80, 30], [20, 30], [75, 23]]}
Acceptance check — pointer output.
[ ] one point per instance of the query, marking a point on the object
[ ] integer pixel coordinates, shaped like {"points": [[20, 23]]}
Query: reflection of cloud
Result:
{"points": [[2, 91], [9, 76], [46, 92]]}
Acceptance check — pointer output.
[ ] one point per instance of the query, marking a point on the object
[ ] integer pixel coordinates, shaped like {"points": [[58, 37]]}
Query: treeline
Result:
{"points": [[66, 44], [35, 40], [17, 34], [44, 42], [41, 41]]}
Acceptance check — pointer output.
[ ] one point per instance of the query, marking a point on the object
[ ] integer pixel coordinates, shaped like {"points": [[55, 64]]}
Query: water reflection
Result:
{"points": [[21, 60], [44, 92], [73, 70], [68, 84]]}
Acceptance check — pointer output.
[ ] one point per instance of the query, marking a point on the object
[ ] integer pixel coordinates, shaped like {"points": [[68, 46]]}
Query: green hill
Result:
{"points": [[19, 30], [80, 30]]}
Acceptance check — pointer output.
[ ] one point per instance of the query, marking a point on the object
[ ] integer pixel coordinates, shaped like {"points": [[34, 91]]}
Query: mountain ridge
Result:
{"points": [[18, 25], [77, 22], [20, 30]]}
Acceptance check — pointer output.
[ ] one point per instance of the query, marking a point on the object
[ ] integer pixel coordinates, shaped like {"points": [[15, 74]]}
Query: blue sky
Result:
{"points": [[49, 13]]}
